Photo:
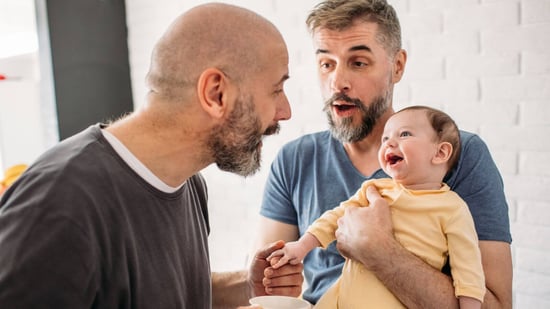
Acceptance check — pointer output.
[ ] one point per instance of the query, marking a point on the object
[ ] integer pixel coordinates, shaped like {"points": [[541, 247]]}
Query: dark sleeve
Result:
{"points": [[46, 259]]}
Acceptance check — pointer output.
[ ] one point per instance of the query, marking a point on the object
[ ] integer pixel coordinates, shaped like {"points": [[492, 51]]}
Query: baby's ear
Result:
{"points": [[443, 153]]}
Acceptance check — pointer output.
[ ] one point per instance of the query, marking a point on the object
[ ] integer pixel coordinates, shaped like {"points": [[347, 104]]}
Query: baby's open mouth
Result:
{"points": [[392, 159]]}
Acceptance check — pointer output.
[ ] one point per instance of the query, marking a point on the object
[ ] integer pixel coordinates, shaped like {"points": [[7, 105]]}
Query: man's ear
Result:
{"points": [[399, 62], [211, 92], [443, 153]]}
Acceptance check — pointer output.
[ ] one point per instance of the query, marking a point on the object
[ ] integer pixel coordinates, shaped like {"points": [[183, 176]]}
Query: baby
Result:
{"points": [[419, 146]]}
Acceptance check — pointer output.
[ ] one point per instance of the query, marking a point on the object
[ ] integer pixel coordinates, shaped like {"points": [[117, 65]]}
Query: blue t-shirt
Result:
{"points": [[313, 174]]}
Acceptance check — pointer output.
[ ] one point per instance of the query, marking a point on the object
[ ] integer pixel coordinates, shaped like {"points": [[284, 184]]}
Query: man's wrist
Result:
{"points": [[382, 259], [230, 289]]}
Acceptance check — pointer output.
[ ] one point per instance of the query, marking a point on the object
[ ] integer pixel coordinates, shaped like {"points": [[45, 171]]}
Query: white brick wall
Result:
{"points": [[486, 62], [21, 121]]}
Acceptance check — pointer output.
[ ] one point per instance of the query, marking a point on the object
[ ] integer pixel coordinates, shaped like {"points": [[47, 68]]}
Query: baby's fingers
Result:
{"points": [[277, 262], [275, 254]]}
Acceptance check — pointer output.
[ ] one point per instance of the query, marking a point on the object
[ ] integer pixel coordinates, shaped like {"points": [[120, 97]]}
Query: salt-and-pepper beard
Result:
{"points": [[345, 132], [235, 144]]}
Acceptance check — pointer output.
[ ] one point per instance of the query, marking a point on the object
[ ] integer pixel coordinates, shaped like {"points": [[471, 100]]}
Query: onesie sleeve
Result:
{"points": [[464, 254], [325, 226]]}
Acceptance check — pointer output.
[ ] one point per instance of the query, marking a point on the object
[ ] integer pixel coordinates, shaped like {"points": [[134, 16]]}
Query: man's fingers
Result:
{"points": [[374, 197], [266, 251], [285, 270], [292, 291], [372, 193], [289, 285]]}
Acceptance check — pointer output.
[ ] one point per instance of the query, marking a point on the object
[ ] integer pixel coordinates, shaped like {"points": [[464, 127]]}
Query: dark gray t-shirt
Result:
{"points": [[80, 229]]}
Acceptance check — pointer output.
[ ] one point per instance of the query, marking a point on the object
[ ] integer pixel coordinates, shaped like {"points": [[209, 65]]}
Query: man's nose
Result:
{"points": [[340, 80], [283, 110]]}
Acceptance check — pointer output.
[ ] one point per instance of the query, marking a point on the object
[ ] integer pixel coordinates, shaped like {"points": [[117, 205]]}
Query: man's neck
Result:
{"points": [[168, 155], [363, 154]]}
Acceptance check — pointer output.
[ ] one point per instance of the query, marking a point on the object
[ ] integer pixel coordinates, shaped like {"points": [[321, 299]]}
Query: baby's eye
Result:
{"points": [[384, 139], [405, 134]]}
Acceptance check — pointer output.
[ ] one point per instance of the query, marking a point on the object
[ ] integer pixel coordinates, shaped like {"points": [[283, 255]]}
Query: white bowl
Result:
{"points": [[280, 302]]}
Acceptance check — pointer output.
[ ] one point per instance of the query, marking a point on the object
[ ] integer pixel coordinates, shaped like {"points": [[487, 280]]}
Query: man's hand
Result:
{"points": [[364, 232], [265, 280]]}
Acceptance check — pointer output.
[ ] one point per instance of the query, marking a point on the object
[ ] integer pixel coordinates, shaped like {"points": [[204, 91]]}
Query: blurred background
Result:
{"points": [[65, 65]]}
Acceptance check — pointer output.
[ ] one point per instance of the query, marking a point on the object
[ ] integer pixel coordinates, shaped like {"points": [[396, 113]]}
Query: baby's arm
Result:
{"points": [[465, 258], [294, 252], [469, 303]]}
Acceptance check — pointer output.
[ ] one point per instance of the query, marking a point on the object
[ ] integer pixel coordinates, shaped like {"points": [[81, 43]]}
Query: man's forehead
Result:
{"points": [[353, 39]]}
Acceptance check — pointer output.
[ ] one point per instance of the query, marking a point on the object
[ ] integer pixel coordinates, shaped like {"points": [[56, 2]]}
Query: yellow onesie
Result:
{"points": [[432, 224]]}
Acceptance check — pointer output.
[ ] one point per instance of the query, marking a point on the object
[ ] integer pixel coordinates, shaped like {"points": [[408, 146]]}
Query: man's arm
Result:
{"points": [[230, 289], [271, 231], [497, 266]]}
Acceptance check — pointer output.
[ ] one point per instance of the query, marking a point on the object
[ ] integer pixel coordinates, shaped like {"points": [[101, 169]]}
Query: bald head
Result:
{"points": [[222, 36]]}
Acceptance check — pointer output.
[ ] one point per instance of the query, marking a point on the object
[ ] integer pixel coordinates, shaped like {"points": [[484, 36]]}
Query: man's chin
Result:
{"points": [[244, 169], [346, 135]]}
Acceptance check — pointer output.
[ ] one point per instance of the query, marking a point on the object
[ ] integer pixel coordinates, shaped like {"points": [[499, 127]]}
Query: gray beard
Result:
{"points": [[345, 132], [235, 144]]}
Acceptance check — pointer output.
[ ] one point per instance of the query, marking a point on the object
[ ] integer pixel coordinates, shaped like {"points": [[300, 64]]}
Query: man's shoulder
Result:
{"points": [[475, 160], [466, 136], [471, 145]]}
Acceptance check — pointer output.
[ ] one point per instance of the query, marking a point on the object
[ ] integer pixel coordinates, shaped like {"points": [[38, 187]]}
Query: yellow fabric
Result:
{"points": [[433, 224], [12, 173]]}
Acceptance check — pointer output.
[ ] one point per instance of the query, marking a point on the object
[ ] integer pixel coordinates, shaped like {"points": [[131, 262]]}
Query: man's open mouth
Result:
{"points": [[344, 107]]}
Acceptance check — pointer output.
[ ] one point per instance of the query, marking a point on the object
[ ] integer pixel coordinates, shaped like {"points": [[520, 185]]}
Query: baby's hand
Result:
{"points": [[288, 254], [278, 258]]}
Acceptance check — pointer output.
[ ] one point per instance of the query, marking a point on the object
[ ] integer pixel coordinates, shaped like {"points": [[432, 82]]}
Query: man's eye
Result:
{"points": [[324, 65], [359, 64]]}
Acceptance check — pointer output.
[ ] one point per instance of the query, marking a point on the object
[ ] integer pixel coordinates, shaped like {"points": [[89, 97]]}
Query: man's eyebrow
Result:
{"points": [[353, 48], [282, 80], [361, 47]]}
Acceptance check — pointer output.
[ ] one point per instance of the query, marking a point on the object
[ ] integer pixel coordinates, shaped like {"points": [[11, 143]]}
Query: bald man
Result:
{"points": [[116, 216]]}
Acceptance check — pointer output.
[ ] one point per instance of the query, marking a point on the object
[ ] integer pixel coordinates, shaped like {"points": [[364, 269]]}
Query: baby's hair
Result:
{"points": [[445, 128]]}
